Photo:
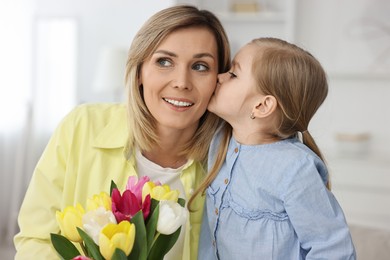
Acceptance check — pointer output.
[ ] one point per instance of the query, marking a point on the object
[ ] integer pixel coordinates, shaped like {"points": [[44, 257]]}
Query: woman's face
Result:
{"points": [[236, 93], [179, 78]]}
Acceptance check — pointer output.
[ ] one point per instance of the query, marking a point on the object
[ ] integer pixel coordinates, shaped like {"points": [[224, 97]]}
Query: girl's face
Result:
{"points": [[236, 94], [179, 78]]}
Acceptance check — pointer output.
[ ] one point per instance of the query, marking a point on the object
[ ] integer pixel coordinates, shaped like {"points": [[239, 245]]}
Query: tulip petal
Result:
{"points": [[114, 236], [95, 220], [147, 189], [172, 195], [136, 186], [146, 207], [100, 200], [172, 215], [68, 220]]}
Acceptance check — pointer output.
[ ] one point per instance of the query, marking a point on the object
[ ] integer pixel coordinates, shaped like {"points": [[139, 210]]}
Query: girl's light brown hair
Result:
{"points": [[153, 32], [298, 82]]}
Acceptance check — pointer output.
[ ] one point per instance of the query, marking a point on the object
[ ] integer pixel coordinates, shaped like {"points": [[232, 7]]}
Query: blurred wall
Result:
{"points": [[101, 24], [351, 38]]}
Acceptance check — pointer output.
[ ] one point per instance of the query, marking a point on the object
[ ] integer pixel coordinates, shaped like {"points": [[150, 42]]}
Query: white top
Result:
{"points": [[168, 176]]}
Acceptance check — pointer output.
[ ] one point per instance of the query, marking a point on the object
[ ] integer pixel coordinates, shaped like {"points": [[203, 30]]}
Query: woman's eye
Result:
{"points": [[200, 67], [232, 75], [163, 62]]}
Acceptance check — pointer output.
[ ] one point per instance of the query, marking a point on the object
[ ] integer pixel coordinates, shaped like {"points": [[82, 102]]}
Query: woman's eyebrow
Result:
{"points": [[172, 54], [169, 53], [204, 54]]}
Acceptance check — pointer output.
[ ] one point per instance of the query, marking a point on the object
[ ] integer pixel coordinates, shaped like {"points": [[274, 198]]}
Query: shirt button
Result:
{"points": [[216, 211], [236, 150], [213, 243], [226, 181]]}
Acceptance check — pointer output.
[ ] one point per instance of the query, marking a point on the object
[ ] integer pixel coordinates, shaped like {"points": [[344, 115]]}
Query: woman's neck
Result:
{"points": [[165, 158], [168, 152]]}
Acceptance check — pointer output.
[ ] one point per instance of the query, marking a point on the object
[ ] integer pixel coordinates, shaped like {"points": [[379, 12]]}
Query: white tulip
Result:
{"points": [[171, 216], [95, 220]]}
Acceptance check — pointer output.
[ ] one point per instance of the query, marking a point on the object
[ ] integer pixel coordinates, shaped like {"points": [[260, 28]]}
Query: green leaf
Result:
{"points": [[65, 248], [163, 244], [182, 202], [151, 226], [113, 186], [154, 204], [139, 251], [119, 255], [93, 249]]}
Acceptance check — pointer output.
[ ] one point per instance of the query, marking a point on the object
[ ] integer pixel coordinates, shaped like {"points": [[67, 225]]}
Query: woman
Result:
{"points": [[164, 133]]}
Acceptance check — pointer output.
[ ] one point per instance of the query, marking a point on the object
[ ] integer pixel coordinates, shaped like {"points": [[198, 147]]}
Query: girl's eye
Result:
{"points": [[200, 67], [163, 62], [232, 75]]}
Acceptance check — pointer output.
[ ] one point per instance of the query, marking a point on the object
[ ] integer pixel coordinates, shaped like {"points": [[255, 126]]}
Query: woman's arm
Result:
{"points": [[43, 198]]}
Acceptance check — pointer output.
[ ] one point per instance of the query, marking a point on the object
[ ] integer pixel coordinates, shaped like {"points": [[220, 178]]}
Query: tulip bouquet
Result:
{"points": [[142, 223]]}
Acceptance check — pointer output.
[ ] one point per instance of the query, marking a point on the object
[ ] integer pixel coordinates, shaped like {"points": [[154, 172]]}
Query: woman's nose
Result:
{"points": [[182, 79]]}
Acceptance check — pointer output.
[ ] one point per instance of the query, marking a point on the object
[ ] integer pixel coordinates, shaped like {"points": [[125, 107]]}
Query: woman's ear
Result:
{"points": [[265, 108]]}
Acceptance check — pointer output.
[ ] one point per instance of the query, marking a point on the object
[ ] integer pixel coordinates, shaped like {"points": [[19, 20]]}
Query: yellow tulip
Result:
{"points": [[100, 200], [114, 236], [159, 192], [147, 189], [69, 219]]}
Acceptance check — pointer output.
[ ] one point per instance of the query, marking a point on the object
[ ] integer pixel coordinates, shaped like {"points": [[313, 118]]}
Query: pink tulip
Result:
{"points": [[125, 206], [135, 186], [81, 257]]}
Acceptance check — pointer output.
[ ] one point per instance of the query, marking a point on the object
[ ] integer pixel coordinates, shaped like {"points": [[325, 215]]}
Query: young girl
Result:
{"points": [[268, 194]]}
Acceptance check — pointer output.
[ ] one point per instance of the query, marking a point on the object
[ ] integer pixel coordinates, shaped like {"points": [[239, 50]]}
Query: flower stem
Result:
{"points": [[84, 249], [154, 239]]}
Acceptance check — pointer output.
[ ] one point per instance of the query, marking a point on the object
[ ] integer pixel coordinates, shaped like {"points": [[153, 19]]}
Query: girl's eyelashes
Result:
{"points": [[232, 74]]}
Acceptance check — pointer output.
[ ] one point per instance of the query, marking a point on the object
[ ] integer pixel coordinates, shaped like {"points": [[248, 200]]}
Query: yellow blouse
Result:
{"points": [[84, 154]]}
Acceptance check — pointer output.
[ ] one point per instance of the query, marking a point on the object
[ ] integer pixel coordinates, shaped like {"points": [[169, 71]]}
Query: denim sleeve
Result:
{"points": [[316, 216]]}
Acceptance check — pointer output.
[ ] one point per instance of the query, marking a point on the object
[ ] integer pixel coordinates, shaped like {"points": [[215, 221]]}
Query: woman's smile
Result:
{"points": [[178, 102]]}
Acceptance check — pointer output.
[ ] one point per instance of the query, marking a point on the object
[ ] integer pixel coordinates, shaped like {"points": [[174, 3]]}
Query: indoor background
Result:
{"points": [[56, 54]]}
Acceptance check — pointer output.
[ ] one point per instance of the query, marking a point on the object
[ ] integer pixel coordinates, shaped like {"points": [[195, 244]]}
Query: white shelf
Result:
{"points": [[374, 158], [261, 17], [274, 18]]}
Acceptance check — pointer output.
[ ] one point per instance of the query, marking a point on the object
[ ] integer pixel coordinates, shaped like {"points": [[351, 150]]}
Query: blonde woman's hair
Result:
{"points": [[153, 32], [298, 82]]}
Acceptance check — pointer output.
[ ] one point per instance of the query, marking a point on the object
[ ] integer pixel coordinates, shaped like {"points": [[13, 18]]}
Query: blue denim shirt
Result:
{"points": [[270, 202]]}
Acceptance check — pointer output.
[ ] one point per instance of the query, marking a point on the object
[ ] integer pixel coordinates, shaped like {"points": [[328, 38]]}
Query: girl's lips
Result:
{"points": [[178, 102]]}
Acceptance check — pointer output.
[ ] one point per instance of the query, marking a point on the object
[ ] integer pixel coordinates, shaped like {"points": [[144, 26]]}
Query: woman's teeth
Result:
{"points": [[178, 103]]}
